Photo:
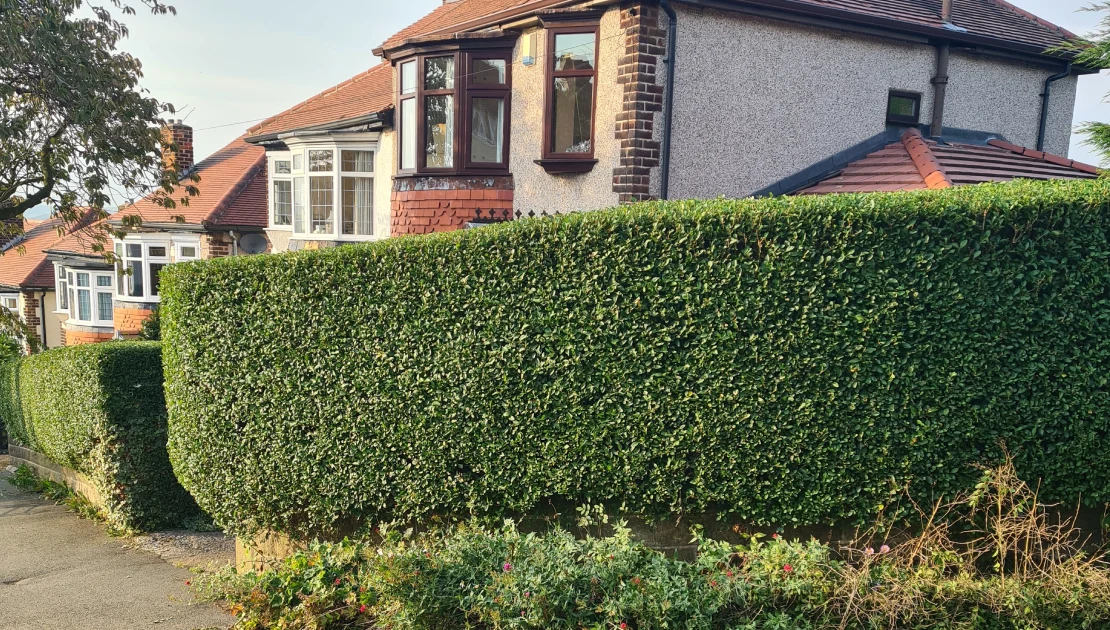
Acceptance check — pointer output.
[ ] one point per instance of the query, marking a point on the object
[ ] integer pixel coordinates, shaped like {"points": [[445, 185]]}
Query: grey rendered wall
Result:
{"points": [[758, 100], [535, 190]]}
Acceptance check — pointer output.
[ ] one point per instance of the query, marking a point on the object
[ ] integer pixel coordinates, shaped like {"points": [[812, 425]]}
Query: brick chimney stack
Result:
{"points": [[177, 145]]}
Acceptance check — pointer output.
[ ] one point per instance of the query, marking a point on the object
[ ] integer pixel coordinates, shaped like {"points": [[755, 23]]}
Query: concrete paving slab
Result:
{"points": [[58, 571]]}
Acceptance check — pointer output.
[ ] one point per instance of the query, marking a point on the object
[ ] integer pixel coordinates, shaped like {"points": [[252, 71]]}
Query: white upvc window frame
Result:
{"points": [[61, 290], [6, 298], [97, 284], [275, 159], [302, 227], [149, 245]]}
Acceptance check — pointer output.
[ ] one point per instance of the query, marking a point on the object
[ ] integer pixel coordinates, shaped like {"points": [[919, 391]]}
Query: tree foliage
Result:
{"points": [[75, 126], [1094, 52]]}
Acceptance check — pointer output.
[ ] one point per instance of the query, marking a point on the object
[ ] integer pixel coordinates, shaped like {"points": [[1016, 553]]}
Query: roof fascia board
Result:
{"points": [[829, 17], [490, 20], [78, 260], [380, 117], [159, 227]]}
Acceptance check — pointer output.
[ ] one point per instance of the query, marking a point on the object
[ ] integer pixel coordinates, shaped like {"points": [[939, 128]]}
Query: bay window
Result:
{"points": [[570, 99], [329, 192], [89, 295], [454, 112], [139, 270]]}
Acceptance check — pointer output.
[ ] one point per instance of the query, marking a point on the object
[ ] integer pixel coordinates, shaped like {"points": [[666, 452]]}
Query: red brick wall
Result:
{"points": [[422, 205], [129, 317], [83, 337], [217, 245], [643, 98], [177, 145], [32, 314]]}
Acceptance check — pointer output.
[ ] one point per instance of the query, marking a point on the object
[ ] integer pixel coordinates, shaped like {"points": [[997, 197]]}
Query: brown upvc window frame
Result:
{"points": [[561, 162], [462, 94]]}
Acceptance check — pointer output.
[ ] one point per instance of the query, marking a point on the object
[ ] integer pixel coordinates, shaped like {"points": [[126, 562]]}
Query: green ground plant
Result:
{"points": [[995, 558], [26, 480], [786, 361]]}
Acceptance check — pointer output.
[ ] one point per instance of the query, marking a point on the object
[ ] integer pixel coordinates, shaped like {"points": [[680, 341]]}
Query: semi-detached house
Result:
{"points": [[488, 110]]}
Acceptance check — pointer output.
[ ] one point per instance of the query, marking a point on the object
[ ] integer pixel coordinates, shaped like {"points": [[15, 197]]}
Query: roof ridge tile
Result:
{"points": [[923, 158]]}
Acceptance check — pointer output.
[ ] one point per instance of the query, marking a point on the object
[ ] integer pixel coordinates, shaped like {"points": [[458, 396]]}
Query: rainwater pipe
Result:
{"points": [[668, 117]]}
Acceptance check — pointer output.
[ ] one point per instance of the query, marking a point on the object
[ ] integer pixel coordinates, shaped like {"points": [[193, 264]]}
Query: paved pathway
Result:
{"points": [[59, 571]]}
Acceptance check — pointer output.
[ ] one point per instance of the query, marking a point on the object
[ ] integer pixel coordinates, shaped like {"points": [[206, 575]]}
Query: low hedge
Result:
{"points": [[100, 410], [787, 361]]}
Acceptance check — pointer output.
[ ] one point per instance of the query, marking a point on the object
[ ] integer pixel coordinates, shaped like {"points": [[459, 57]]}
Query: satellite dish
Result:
{"points": [[253, 243]]}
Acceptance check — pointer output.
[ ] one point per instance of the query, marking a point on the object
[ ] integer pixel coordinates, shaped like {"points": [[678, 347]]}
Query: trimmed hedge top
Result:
{"points": [[100, 409], [787, 361]]}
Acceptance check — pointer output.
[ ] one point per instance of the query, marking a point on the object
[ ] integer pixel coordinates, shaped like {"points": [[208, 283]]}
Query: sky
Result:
{"points": [[227, 64]]}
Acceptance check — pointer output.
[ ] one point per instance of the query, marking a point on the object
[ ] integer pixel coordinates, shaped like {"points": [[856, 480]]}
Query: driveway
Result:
{"points": [[59, 571]]}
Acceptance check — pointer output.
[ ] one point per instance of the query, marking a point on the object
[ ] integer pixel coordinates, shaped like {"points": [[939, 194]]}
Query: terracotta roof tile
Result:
{"points": [[367, 93], [996, 19], [916, 163], [23, 263], [224, 176]]}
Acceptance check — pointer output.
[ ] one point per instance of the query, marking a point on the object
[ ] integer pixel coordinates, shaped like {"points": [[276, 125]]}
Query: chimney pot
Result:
{"points": [[177, 145]]}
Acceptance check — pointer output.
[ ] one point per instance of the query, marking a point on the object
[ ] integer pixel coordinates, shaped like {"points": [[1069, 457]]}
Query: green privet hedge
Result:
{"points": [[100, 410], [785, 361]]}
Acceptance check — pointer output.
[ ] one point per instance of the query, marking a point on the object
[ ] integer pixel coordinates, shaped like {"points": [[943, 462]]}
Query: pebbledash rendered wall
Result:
{"points": [[757, 100]]}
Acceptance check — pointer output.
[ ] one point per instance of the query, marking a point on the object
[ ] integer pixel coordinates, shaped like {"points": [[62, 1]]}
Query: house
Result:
{"points": [[97, 301], [27, 285], [495, 109]]}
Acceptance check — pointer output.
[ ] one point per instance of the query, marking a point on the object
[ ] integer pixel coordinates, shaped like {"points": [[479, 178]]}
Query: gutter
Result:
{"points": [[384, 117], [1046, 95], [668, 116]]}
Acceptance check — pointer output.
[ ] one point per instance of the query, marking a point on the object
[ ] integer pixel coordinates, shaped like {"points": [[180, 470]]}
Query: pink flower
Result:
{"points": [[787, 568], [337, 581], [527, 593], [869, 551], [507, 567], [775, 536], [362, 608], [624, 626], [884, 549]]}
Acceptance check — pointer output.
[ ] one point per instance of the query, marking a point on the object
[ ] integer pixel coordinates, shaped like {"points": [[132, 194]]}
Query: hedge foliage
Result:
{"points": [[100, 410], [788, 361]]}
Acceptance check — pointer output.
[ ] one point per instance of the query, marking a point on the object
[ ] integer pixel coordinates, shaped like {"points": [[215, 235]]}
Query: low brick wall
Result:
{"points": [[47, 469]]}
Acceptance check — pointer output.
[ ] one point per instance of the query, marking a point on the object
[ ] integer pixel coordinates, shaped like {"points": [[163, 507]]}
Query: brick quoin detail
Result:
{"points": [[422, 205], [31, 315], [215, 245], [129, 318], [643, 98]]}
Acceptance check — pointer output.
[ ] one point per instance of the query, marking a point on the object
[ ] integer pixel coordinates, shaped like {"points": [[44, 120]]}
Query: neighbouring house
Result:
{"points": [[97, 301], [27, 278], [495, 109]]}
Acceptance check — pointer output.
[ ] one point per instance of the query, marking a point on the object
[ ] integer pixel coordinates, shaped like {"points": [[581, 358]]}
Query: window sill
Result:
{"points": [[555, 166]]}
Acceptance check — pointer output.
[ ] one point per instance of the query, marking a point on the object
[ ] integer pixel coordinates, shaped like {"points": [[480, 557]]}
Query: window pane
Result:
{"points": [[72, 299], [487, 126], [189, 252], [408, 134], [134, 251], [104, 306], [298, 162], [283, 203], [84, 305], [135, 280], [573, 115], [320, 161], [408, 77], [61, 273], [63, 296], [155, 277], [439, 73], [82, 279], [358, 161], [903, 106], [489, 72], [574, 51], [439, 131], [282, 167], [298, 205], [320, 202], [157, 252], [358, 206], [104, 281]]}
